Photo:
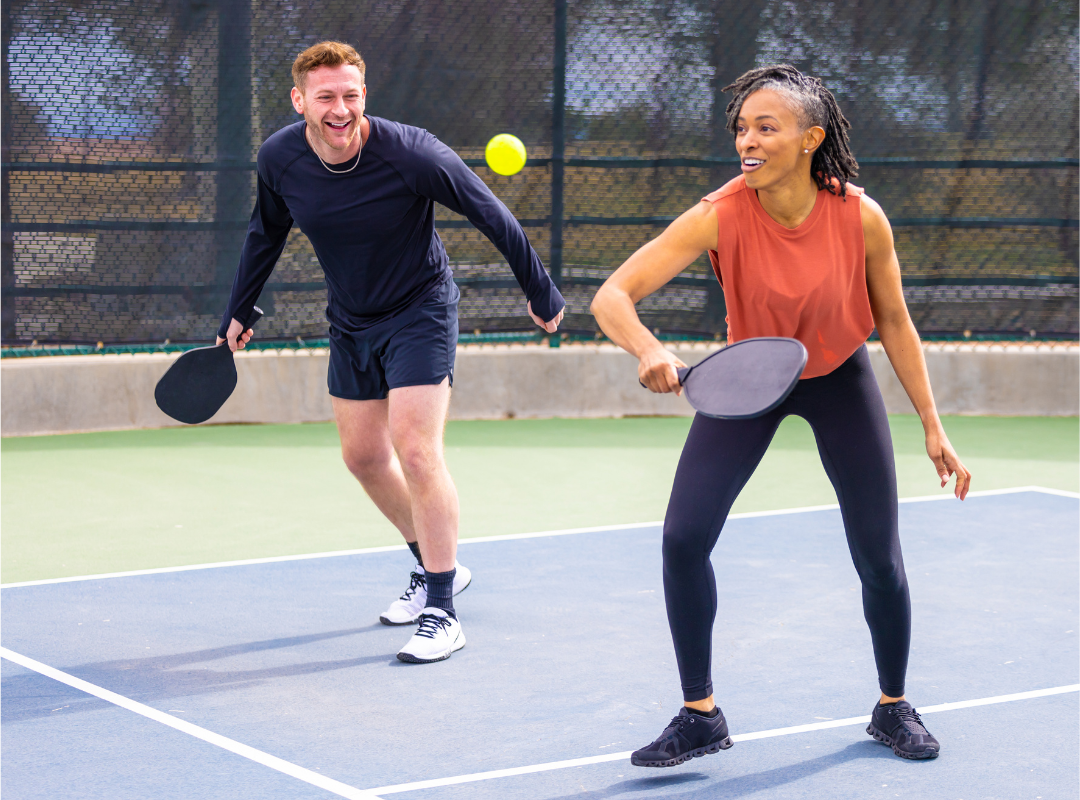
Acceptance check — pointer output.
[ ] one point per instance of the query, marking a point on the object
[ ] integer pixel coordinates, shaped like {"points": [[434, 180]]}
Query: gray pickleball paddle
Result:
{"points": [[746, 379], [200, 381]]}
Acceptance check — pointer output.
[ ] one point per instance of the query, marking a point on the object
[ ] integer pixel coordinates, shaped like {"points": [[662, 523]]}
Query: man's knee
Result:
{"points": [[365, 460], [419, 459]]}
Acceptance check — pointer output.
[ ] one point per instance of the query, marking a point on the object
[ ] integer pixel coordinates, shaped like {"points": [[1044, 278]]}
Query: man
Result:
{"points": [[363, 190]]}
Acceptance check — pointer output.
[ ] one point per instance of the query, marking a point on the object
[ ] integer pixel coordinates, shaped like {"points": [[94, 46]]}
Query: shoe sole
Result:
{"points": [[463, 588], [885, 739], [386, 621], [708, 750], [409, 658]]}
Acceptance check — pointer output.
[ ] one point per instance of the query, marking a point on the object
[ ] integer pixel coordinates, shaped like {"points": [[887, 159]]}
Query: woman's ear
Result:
{"points": [[812, 138]]}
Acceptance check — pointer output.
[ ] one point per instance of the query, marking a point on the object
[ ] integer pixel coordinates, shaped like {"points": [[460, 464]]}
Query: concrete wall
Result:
{"points": [[91, 393]]}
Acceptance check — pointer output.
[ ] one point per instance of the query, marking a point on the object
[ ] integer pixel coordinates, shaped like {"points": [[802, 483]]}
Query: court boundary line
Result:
{"points": [[352, 793], [506, 537], [216, 739], [739, 737]]}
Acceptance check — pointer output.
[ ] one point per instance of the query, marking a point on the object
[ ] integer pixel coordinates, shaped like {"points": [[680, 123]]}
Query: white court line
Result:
{"points": [[740, 737], [509, 537], [344, 790], [258, 756]]}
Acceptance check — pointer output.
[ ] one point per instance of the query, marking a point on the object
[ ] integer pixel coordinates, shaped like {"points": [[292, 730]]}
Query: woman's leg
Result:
{"points": [[718, 458], [847, 414]]}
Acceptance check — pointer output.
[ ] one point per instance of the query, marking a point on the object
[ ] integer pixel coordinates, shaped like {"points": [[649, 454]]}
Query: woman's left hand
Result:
{"points": [[947, 462]]}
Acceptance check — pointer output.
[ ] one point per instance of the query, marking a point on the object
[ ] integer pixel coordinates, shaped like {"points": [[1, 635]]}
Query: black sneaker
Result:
{"points": [[899, 726], [688, 736]]}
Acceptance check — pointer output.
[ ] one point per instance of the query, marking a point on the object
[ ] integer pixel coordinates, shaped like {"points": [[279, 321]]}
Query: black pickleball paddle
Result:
{"points": [[745, 379], [200, 381]]}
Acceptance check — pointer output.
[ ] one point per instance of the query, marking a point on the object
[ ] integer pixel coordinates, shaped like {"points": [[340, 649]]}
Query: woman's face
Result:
{"points": [[769, 140]]}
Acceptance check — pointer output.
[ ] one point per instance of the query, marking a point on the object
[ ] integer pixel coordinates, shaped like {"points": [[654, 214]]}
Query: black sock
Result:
{"points": [[440, 590], [707, 714], [415, 547]]}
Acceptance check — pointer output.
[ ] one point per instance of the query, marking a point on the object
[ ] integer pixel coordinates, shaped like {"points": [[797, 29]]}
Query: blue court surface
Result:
{"points": [[274, 679]]}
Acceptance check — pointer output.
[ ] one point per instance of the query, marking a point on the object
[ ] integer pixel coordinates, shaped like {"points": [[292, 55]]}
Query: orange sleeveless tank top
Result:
{"points": [[808, 283]]}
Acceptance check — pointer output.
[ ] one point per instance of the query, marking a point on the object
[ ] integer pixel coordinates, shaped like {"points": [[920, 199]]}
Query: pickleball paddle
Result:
{"points": [[200, 381], [745, 379]]}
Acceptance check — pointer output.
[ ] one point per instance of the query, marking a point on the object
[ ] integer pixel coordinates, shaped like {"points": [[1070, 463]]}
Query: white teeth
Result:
{"points": [[752, 162]]}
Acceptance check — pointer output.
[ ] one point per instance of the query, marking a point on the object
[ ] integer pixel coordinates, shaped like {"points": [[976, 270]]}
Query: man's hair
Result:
{"points": [[813, 104], [325, 54]]}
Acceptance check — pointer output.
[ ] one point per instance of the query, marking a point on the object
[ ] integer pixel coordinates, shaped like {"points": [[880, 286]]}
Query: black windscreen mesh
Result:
{"points": [[129, 133]]}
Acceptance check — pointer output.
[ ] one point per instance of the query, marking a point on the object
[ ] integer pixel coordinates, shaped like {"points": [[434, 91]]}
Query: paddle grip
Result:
{"points": [[682, 371]]}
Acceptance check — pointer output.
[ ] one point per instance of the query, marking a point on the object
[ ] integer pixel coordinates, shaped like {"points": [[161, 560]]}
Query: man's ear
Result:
{"points": [[297, 98]]}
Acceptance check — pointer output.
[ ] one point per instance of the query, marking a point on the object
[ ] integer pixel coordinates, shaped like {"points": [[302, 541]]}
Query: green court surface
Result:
{"points": [[106, 502]]}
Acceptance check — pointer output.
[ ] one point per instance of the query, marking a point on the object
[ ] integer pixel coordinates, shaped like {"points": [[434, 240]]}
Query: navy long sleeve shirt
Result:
{"points": [[373, 229]]}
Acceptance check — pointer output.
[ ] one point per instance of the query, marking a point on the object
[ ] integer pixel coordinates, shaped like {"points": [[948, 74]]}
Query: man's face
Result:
{"points": [[333, 104]]}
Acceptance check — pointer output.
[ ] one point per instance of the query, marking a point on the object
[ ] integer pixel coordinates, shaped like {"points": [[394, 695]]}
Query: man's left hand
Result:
{"points": [[551, 325]]}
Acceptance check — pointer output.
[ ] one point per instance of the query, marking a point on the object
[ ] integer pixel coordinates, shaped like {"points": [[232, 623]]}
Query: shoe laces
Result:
{"points": [[910, 720], [677, 724], [431, 625], [416, 580]]}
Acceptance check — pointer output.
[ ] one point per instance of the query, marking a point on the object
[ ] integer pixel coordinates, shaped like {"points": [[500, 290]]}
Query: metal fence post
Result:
{"points": [[233, 142], [7, 247], [558, 149]]}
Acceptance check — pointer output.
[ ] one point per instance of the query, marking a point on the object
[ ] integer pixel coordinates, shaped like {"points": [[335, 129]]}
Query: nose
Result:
{"points": [[747, 142], [339, 106]]}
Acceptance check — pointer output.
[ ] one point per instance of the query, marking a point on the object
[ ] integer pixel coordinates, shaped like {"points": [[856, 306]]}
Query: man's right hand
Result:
{"points": [[657, 370], [551, 325], [236, 336]]}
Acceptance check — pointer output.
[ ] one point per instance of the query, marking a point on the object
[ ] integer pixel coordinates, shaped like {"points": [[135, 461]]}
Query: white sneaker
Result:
{"points": [[438, 636], [407, 608]]}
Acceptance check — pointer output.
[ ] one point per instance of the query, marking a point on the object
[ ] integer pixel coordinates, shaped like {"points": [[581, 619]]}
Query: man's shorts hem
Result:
{"points": [[417, 382]]}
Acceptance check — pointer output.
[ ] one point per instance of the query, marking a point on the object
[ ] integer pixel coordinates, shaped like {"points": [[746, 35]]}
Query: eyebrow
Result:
{"points": [[762, 116]]}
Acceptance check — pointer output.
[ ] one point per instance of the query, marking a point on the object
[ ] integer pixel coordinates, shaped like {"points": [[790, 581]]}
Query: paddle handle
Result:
{"points": [[682, 371]]}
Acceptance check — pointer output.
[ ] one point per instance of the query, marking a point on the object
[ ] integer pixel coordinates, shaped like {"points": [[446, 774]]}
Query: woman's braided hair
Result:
{"points": [[833, 162]]}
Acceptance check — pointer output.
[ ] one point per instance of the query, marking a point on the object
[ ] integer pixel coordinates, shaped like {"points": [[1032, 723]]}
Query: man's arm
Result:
{"points": [[267, 233], [901, 341], [446, 180]]}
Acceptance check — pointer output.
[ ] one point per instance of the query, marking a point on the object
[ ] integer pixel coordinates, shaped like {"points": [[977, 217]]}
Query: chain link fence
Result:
{"points": [[130, 133]]}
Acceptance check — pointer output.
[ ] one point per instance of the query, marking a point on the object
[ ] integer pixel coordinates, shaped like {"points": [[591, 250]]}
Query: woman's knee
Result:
{"points": [[684, 542], [884, 576]]}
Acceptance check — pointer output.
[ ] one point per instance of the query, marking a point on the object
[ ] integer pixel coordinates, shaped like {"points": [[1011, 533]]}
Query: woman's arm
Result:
{"points": [[643, 273], [901, 341]]}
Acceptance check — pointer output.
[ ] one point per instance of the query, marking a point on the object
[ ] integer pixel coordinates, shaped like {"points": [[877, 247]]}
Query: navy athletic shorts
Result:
{"points": [[413, 348]]}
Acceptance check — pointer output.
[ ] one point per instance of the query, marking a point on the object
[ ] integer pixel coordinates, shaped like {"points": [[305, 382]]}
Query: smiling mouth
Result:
{"points": [[338, 126], [752, 163]]}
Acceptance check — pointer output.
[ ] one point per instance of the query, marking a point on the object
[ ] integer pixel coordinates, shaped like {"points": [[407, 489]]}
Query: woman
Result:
{"points": [[800, 252]]}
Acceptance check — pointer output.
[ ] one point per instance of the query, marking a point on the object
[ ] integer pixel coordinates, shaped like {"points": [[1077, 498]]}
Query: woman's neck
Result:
{"points": [[791, 202]]}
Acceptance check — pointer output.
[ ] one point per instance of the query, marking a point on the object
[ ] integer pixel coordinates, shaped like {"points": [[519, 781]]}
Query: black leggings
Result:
{"points": [[847, 414]]}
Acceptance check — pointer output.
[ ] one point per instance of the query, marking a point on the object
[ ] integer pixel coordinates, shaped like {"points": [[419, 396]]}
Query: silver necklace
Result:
{"points": [[337, 171]]}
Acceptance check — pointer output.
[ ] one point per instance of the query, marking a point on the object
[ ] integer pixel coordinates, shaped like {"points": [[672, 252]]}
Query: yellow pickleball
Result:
{"points": [[505, 154]]}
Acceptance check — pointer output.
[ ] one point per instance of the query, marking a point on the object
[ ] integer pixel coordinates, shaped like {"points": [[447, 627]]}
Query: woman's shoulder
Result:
{"points": [[732, 190]]}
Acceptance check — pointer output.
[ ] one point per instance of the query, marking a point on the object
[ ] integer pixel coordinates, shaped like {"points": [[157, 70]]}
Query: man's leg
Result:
{"points": [[366, 448], [417, 417]]}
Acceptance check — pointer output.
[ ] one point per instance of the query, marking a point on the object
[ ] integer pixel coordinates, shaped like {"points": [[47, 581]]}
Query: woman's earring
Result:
{"points": [[806, 151]]}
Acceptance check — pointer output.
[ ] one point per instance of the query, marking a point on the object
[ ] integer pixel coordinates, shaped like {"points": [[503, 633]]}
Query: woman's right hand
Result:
{"points": [[657, 370]]}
